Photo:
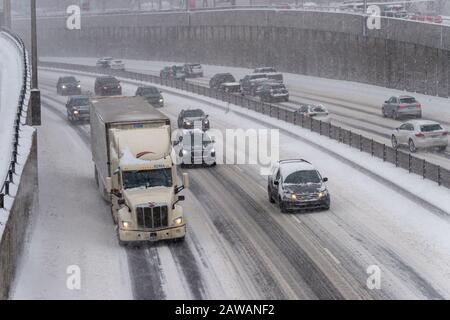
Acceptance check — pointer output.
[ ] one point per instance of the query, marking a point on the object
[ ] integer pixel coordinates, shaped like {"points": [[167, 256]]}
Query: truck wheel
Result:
{"points": [[269, 194], [96, 177], [179, 240]]}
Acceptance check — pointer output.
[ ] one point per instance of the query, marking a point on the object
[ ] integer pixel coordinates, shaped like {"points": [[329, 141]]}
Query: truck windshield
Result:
{"points": [[147, 178]]}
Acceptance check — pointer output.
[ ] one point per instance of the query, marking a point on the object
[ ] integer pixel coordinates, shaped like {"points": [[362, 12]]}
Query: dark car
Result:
{"points": [[297, 185], [250, 82], [193, 70], [173, 72], [152, 95], [273, 91], [78, 108], [401, 106], [193, 118], [107, 86], [68, 86], [220, 78]]}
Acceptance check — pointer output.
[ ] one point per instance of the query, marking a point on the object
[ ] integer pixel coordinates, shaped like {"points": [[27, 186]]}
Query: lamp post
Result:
{"points": [[35, 98]]}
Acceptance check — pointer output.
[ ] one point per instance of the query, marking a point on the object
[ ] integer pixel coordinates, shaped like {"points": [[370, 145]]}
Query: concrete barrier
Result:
{"points": [[405, 55], [11, 242]]}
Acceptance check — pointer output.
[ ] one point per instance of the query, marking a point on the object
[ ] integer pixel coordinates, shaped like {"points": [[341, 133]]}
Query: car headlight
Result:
{"points": [[206, 121], [63, 87], [178, 221], [293, 196], [105, 88], [323, 194], [118, 87], [76, 112], [188, 123], [79, 86], [125, 224], [161, 100]]}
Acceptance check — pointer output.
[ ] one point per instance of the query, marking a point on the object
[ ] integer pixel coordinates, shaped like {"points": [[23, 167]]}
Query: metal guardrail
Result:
{"points": [[20, 118], [399, 158]]}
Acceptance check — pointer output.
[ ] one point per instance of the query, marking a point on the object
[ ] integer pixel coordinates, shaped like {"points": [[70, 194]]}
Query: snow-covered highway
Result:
{"points": [[238, 244]]}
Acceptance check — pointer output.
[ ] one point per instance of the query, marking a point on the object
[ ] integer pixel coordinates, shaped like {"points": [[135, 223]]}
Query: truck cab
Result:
{"points": [[135, 169]]}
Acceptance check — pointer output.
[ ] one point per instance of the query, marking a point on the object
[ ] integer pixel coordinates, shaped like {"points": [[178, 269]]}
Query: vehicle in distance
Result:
{"points": [[135, 171], [193, 118], [107, 86], [173, 72], [195, 147], [265, 70], [273, 92], [193, 70], [297, 185], [401, 106], [318, 112], [117, 65], [230, 87], [220, 78], [104, 62], [68, 86], [78, 108], [152, 95], [420, 134], [250, 82]]}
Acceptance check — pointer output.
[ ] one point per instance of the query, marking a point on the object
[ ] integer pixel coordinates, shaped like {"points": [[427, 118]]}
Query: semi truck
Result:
{"points": [[135, 169]]}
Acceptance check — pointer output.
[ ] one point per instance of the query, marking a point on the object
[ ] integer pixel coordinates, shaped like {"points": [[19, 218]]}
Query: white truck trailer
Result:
{"points": [[135, 170]]}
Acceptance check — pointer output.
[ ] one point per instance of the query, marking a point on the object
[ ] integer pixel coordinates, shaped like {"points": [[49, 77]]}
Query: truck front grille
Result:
{"points": [[152, 217]]}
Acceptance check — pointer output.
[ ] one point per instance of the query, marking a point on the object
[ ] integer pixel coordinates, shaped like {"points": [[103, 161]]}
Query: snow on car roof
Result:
{"points": [[422, 122], [288, 167]]}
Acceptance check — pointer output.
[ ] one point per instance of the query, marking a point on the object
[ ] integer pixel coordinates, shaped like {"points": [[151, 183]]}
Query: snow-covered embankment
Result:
{"points": [[17, 188]]}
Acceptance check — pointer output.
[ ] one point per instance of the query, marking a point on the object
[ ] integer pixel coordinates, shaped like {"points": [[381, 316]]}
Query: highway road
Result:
{"points": [[238, 244]]}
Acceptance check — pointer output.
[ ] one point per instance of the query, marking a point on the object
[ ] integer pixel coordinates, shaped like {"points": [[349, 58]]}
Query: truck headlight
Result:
{"points": [[178, 221], [125, 224]]}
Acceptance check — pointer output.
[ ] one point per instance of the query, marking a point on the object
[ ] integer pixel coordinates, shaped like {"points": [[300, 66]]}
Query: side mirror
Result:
{"points": [[108, 184], [186, 180], [325, 179], [276, 182], [180, 138]]}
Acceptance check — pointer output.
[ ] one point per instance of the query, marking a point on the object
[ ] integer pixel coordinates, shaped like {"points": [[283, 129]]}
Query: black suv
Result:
{"points": [[297, 185], [220, 78], [78, 108], [107, 86], [68, 86], [193, 118], [273, 91], [173, 72], [152, 95]]}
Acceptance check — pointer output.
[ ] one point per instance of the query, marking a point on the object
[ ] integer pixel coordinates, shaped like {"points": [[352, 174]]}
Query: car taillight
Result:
{"points": [[420, 135], [418, 106], [445, 133], [402, 106]]}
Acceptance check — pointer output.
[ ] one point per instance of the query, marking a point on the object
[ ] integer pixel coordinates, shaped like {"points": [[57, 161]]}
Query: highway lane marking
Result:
{"points": [[336, 260]]}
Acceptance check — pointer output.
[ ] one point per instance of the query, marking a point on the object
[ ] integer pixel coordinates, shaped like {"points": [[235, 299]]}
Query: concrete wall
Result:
{"points": [[14, 234], [403, 54]]}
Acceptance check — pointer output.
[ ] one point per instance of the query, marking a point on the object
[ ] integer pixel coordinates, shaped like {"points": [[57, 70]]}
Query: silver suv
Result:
{"points": [[401, 106], [297, 185], [420, 134]]}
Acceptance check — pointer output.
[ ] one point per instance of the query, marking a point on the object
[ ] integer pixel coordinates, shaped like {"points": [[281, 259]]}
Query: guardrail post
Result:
{"points": [[2, 201], [371, 148], [396, 157], [7, 188], [424, 169], [439, 176], [329, 130], [320, 127], [350, 139], [409, 162], [360, 142], [384, 152]]}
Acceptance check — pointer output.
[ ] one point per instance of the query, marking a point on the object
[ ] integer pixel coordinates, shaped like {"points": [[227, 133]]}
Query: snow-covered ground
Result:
{"points": [[239, 245]]}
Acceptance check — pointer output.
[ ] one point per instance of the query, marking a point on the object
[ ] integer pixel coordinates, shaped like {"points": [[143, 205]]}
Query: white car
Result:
{"points": [[195, 147], [420, 134], [104, 62], [117, 65], [318, 112]]}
